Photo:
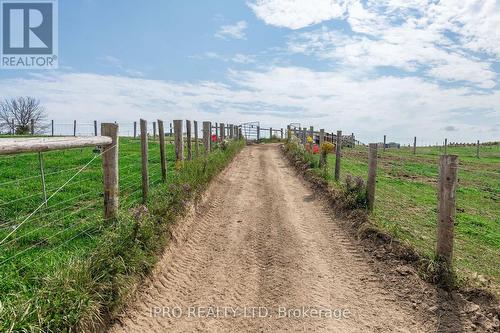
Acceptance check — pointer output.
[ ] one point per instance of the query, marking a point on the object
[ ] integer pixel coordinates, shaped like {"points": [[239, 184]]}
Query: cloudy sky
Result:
{"points": [[395, 67]]}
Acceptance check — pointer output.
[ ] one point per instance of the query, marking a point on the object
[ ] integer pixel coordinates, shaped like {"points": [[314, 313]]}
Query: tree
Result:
{"points": [[17, 114]]}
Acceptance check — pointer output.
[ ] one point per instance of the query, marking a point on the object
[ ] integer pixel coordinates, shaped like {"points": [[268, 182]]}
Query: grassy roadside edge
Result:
{"points": [[85, 294], [373, 237]]}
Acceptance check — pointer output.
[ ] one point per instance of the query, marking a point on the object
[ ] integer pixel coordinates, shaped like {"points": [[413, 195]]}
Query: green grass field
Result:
{"points": [[71, 227], [406, 202]]}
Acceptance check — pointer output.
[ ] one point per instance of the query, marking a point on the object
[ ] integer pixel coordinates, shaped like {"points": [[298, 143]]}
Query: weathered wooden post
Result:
{"points": [[52, 127], [171, 133], [321, 136], [95, 127], [144, 160], [281, 134], [222, 131], [154, 130], [385, 138], [231, 131], [216, 130], [207, 131], [178, 141], [74, 128], [135, 129], [288, 132], [196, 151], [188, 140], [270, 133], [477, 149], [163, 159], [445, 146], [353, 140], [414, 145], [447, 185], [337, 155], [32, 126], [110, 171], [258, 133], [372, 176]]}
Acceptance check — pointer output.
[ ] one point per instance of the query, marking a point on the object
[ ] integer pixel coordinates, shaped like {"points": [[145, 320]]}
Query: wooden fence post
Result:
{"points": [[288, 132], [385, 138], [154, 130], [110, 171], [135, 129], [258, 133], [477, 149], [188, 140], [372, 176], [353, 140], [95, 127], [222, 132], [270, 133], [321, 136], [447, 184], [52, 127], [32, 127], [179, 141], [144, 160], [414, 145], [163, 159], [445, 146], [216, 130], [74, 128], [281, 134], [196, 148], [207, 131], [171, 133], [337, 155]]}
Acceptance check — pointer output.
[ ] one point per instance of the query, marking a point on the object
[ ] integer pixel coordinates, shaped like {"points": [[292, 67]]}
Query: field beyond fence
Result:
{"points": [[406, 202], [62, 264]]}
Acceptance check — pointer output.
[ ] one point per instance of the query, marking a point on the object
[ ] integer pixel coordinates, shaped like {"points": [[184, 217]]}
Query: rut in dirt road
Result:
{"points": [[261, 239]]}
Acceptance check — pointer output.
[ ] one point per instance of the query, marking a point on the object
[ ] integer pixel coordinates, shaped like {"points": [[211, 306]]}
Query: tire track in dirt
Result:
{"points": [[259, 238]]}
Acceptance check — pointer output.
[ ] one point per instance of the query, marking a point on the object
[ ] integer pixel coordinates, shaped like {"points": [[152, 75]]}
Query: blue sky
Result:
{"points": [[401, 68]]}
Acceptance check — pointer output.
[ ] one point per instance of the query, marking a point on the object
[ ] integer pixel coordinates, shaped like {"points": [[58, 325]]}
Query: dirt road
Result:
{"points": [[261, 239]]}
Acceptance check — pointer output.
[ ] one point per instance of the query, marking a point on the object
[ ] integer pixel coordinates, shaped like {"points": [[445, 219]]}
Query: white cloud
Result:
{"points": [[448, 41], [118, 64], [235, 31], [296, 14], [238, 58], [369, 107]]}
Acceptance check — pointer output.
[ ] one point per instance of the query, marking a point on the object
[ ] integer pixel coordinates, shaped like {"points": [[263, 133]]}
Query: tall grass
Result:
{"points": [[84, 285]]}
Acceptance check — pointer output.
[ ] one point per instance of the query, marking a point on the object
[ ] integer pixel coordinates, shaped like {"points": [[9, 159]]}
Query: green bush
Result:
{"points": [[355, 193]]}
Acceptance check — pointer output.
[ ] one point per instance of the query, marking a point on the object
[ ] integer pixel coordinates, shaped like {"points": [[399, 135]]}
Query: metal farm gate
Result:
{"points": [[249, 130]]}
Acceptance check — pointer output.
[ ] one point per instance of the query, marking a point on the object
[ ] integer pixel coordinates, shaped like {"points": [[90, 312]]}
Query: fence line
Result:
{"points": [[447, 181], [68, 207]]}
